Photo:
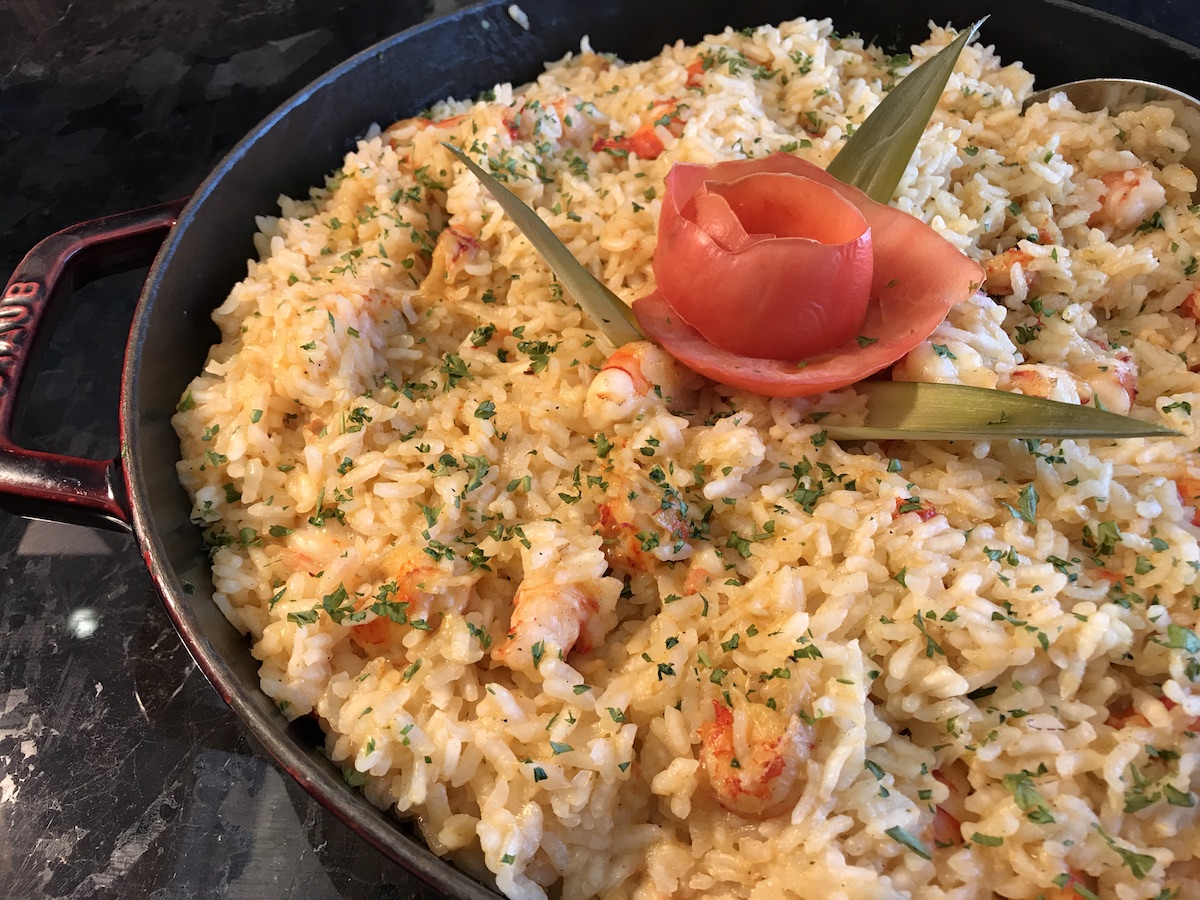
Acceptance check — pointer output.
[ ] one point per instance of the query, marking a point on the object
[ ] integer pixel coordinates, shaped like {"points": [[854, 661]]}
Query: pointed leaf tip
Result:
{"points": [[611, 315], [909, 410], [876, 155]]}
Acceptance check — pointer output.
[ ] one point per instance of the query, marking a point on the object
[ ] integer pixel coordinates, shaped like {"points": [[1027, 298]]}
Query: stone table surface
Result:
{"points": [[122, 773]]}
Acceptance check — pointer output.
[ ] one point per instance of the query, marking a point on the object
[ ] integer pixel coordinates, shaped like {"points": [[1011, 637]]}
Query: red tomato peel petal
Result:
{"points": [[781, 204], [730, 258], [717, 219], [917, 277]]}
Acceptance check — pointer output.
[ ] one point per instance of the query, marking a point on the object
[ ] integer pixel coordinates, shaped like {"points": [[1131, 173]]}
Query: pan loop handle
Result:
{"points": [[47, 485]]}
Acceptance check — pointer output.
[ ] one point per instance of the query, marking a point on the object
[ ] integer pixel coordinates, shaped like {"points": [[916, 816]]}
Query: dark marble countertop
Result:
{"points": [[122, 773]]}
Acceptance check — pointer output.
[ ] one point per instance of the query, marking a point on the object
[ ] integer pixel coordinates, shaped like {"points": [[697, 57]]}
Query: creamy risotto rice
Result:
{"points": [[625, 638]]}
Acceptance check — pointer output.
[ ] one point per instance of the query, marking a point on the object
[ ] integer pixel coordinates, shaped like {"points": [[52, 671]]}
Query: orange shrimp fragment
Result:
{"points": [[924, 510], [454, 251], [635, 377], [1129, 716], [949, 814], [1188, 489], [410, 596], [998, 271], [634, 524], [1129, 199], [757, 773], [577, 128], [1048, 382], [380, 630], [1064, 887], [1190, 306], [549, 620], [703, 569], [1110, 383], [947, 829], [645, 143]]}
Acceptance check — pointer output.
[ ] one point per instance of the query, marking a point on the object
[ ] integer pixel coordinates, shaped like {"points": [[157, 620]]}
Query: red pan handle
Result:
{"points": [[47, 485]]}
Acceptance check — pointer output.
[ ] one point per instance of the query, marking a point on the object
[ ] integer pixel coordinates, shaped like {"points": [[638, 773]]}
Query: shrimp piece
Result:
{"points": [[947, 828], [1188, 489], [401, 133], [1004, 271], [561, 121], [1129, 199], [378, 634], [1048, 382], [1190, 306], [635, 378], [1066, 890], [1111, 383], [1126, 716], [577, 129], [924, 510], [410, 595], [754, 770], [454, 251], [549, 620], [704, 568], [532, 121], [645, 142], [637, 526], [310, 552], [949, 814], [1129, 716]]}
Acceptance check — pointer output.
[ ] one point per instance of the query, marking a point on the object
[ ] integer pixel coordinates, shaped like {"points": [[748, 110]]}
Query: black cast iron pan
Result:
{"points": [[205, 243]]}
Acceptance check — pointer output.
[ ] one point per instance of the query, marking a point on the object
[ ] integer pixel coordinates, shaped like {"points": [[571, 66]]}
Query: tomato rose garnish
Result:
{"points": [[774, 276]]}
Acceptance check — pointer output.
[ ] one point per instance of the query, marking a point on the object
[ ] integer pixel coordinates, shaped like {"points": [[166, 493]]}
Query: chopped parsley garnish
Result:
{"points": [[900, 836], [1027, 798], [1026, 509]]}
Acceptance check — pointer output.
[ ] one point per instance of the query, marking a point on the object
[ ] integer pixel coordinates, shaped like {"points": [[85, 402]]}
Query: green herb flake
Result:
{"points": [[1139, 864], [1027, 503], [1176, 797], [1027, 798], [900, 836]]}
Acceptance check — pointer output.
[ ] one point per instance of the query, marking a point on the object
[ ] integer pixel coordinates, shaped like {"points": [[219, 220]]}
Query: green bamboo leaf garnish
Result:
{"points": [[606, 309], [876, 155], [913, 411]]}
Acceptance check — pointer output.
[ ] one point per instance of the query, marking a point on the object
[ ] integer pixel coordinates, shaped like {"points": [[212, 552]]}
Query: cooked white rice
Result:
{"points": [[821, 670]]}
